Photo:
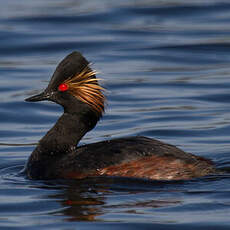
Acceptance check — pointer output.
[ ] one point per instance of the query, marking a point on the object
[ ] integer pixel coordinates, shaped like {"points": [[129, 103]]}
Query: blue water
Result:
{"points": [[166, 68]]}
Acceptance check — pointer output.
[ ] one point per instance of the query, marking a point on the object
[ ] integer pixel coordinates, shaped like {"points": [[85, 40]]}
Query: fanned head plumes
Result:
{"points": [[84, 86], [74, 76]]}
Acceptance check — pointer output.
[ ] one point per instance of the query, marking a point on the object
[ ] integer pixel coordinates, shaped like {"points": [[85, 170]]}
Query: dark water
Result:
{"points": [[166, 69]]}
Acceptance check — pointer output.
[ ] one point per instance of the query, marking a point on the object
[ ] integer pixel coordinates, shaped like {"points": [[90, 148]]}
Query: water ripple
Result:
{"points": [[166, 70]]}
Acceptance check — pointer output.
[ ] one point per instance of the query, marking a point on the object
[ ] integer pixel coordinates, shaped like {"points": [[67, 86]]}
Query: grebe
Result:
{"points": [[75, 87]]}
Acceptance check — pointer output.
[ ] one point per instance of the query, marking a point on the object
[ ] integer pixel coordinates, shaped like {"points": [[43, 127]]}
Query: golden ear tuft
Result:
{"points": [[84, 86]]}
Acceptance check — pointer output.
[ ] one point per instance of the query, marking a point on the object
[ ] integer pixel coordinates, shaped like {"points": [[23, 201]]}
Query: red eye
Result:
{"points": [[63, 87]]}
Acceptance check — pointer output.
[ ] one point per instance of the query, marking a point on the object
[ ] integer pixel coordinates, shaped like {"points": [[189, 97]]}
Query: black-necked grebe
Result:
{"points": [[75, 87]]}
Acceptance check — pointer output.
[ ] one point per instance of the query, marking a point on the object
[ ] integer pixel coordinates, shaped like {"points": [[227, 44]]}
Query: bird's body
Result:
{"points": [[75, 87], [138, 157]]}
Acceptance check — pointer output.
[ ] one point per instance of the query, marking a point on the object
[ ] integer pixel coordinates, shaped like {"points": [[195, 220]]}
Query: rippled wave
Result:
{"points": [[165, 66]]}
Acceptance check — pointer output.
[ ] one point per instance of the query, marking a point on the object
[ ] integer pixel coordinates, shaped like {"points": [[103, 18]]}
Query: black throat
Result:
{"points": [[60, 140], [66, 133]]}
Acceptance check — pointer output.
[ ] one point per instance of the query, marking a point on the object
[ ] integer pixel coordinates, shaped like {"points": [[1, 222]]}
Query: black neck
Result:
{"points": [[66, 133], [60, 140]]}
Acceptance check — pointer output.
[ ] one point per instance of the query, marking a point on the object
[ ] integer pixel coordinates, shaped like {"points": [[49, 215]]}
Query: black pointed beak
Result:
{"points": [[39, 97]]}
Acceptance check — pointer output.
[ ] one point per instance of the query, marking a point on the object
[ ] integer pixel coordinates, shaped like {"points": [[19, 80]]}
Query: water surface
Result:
{"points": [[165, 66]]}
